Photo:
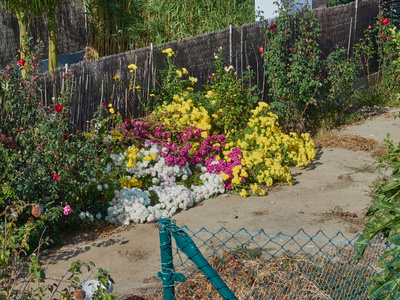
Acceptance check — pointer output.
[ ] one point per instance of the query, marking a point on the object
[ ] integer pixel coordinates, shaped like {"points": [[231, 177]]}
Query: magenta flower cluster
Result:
{"points": [[178, 148], [225, 166]]}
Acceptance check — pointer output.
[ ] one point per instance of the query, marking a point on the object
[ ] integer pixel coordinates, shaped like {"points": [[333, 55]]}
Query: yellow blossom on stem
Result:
{"points": [[243, 193], [168, 51], [132, 67], [193, 80]]}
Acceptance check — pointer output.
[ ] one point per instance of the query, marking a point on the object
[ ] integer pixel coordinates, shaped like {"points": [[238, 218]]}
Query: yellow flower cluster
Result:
{"points": [[132, 67], [130, 182], [257, 190], [183, 112], [131, 154], [267, 151], [115, 135], [193, 80], [150, 157], [168, 51], [238, 173]]}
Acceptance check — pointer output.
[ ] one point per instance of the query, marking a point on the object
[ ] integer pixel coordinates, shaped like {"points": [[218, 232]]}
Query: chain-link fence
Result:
{"points": [[203, 264]]}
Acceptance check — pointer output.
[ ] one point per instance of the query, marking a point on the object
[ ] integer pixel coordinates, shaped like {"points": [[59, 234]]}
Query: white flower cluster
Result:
{"points": [[85, 214], [133, 205], [173, 196], [128, 205], [160, 171], [118, 159], [212, 184]]}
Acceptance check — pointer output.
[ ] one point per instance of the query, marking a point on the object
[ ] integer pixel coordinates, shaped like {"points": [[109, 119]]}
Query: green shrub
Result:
{"points": [[41, 160]]}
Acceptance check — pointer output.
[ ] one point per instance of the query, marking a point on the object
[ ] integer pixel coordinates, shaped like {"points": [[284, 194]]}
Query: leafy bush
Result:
{"points": [[378, 51], [22, 275], [384, 219], [228, 99], [41, 161], [292, 65]]}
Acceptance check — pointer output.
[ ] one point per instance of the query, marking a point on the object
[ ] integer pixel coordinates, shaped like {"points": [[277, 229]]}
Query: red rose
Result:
{"points": [[40, 103], [272, 27], [261, 49], [388, 38], [127, 120], [21, 62], [103, 104], [382, 35], [56, 177], [385, 22], [58, 108], [65, 136]]}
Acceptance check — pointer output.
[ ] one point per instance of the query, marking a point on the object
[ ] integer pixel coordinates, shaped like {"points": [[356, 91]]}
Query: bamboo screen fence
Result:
{"points": [[93, 81]]}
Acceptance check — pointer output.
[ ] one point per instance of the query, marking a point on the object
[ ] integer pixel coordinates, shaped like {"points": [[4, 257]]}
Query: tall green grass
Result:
{"points": [[121, 25]]}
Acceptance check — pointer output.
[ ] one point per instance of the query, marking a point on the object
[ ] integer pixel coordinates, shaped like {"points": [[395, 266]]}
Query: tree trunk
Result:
{"points": [[23, 37], [52, 41]]}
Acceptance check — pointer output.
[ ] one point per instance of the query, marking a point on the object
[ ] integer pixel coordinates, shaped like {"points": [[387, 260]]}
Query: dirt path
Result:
{"points": [[325, 196]]}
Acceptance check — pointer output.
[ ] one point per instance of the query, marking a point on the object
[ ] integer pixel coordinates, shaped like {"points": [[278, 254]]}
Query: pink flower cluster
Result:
{"points": [[187, 146], [178, 148], [223, 166], [179, 151]]}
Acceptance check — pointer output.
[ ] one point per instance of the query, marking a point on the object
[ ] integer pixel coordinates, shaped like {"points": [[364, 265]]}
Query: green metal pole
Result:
{"points": [[167, 265], [185, 243]]}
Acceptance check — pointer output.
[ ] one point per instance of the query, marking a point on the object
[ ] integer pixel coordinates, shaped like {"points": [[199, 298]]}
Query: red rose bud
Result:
{"points": [[127, 120], [56, 177], [58, 108], [103, 104], [21, 62], [385, 22], [261, 49], [272, 27]]}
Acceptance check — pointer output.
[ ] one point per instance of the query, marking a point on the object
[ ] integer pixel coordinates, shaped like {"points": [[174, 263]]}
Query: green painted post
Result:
{"points": [[167, 266], [187, 246]]}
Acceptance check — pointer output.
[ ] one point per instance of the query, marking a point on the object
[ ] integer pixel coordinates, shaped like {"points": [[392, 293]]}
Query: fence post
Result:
{"points": [[187, 246], [167, 265], [230, 45]]}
